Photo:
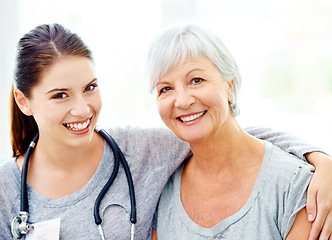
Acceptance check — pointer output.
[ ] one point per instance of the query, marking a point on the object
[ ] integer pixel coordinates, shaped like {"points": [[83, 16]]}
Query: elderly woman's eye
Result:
{"points": [[197, 80], [164, 90]]}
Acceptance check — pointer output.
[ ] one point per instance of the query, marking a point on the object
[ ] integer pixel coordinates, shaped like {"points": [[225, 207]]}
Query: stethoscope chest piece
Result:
{"points": [[19, 226]]}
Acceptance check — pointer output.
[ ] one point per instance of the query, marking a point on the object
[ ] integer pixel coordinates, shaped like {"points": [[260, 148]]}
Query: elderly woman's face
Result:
{"points": [[193, 99]]}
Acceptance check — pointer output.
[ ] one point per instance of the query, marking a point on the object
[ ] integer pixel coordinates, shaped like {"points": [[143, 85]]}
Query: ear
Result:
{"points": [[230, 90], [22, 102]]}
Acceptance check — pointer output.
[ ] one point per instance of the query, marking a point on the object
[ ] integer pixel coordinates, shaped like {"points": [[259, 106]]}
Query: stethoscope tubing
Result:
{"points": [[117, 155], [24, 192], [107, 185]]}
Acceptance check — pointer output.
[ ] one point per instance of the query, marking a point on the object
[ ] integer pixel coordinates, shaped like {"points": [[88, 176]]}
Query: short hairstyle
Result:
{"points": [[38, 50], [179, 43]]}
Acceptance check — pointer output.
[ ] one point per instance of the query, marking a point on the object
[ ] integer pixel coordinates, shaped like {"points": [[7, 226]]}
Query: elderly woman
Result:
{"points": [[233, 185]]}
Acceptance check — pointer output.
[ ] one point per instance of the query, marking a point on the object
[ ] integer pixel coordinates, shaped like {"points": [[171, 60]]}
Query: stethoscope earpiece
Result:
{"points": [[19, 226]]}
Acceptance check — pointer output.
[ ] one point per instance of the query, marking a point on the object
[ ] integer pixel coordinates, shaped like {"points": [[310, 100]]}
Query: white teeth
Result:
{"points": [[78, 127], [192, 117]]}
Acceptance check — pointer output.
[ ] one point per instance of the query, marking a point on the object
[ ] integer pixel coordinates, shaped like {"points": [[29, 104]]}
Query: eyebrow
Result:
{"points": [[162, 83], [66, 89], [188, 73], [193, 70]]}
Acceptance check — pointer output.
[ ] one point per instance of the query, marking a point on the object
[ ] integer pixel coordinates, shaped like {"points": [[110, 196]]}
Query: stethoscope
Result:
{"points": [[20, 225]]}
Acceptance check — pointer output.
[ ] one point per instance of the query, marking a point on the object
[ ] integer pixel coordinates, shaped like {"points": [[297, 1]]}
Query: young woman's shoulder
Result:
{"points": [[10, 178], [154, 139], [138, 132], [149, 150], [10, 175]]}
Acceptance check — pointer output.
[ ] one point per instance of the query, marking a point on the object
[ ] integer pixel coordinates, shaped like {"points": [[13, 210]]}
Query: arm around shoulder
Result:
{"points": [[285, 140], [319, 199], [301, 227]]}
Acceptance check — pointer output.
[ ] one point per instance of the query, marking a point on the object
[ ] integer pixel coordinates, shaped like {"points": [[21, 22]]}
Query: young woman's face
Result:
{"points": [[193, 98], [66, 102]]}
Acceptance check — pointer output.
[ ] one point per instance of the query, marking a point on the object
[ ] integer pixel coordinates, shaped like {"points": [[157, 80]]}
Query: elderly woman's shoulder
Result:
{"points": [[285, 166]]}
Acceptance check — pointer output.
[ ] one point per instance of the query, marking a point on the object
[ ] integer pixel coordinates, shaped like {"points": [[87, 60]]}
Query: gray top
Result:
{"points": [[278, 194], [152, 154]]}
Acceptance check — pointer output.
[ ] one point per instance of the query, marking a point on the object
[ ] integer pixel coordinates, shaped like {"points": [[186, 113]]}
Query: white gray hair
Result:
{"points": [[180, 43]]}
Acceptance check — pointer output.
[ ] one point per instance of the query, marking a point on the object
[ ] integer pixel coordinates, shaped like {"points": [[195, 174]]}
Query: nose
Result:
{"points": [[80, 107], [184, 99]]}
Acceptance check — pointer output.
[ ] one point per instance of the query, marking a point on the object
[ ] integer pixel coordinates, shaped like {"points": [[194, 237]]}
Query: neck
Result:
{"points": [[65, 157], [56, 170], [229, 149]]}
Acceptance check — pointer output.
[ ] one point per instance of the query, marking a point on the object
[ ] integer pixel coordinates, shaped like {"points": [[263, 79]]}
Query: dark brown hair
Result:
{"points": [[37, 51]]}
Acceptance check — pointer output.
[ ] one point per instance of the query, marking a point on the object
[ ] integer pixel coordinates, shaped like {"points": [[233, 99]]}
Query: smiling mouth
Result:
{"points": [[191, 117], [78, 126]]}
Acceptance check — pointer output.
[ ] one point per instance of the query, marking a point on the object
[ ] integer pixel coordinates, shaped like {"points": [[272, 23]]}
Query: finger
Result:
{"points": [[317, 225], [311, 203], [326, 232]]}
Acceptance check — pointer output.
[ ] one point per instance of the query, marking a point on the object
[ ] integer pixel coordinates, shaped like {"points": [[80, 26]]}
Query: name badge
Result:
{"points": [[49, 230]]}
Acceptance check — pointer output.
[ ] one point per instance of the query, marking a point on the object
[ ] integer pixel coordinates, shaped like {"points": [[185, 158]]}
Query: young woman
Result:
{"points": [[233, 185], [56, 95]]}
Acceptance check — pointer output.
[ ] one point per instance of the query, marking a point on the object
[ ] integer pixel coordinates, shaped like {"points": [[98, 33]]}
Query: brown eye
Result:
{"points": [[90, 88], [60, 95]]}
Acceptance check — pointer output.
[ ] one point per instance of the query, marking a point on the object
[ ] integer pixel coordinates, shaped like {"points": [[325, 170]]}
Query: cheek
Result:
{"points": [[164, 110], [160, 109], [216, 100], [48, 115], [95, 102], [98, 104], [223, 107]]}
